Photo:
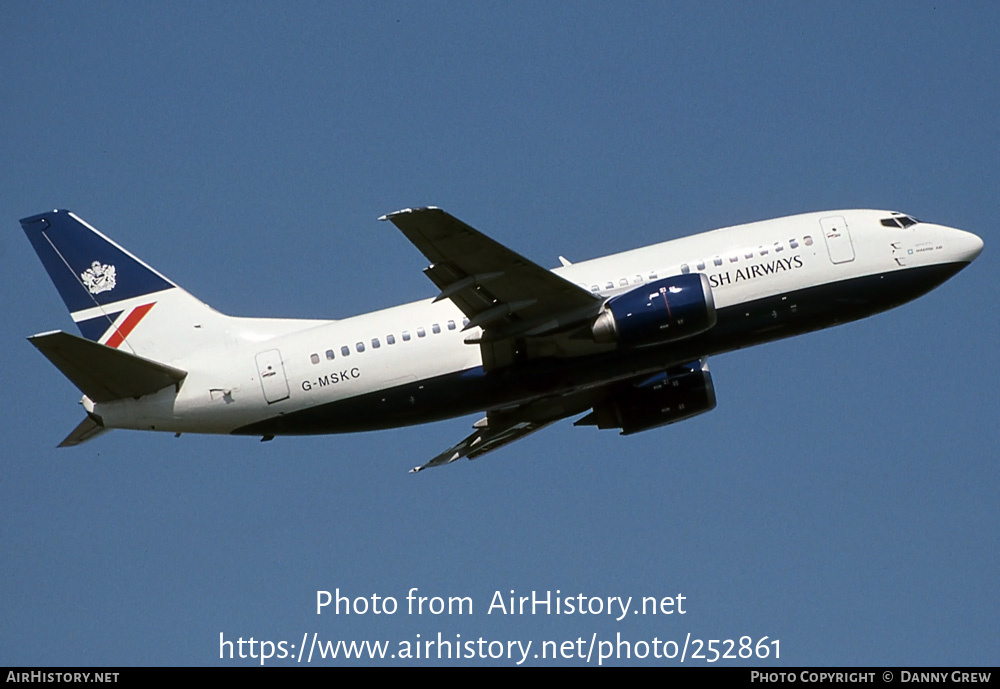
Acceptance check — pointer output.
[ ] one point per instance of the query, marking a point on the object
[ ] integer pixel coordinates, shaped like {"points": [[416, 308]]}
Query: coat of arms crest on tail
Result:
{"points": [[98, 278]]}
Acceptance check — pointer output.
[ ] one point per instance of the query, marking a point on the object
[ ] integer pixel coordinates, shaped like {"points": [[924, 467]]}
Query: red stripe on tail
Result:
{"points": [[128, 325]]}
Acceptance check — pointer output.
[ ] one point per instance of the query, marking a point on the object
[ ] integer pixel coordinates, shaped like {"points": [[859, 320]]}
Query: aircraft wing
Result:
{"points": [[486, 438], [503, 426], [498, 290]]}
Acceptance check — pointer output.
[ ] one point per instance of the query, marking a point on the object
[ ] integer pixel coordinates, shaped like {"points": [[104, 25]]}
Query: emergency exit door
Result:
{"points": [[272, 376], [838, 239]]}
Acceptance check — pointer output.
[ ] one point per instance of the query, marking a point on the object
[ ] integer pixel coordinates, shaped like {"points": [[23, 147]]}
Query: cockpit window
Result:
{"points": [[899, 220]]}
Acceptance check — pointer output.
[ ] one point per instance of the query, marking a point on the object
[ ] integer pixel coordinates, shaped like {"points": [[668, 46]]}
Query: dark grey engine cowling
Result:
{"points": [[661, 311], [674, 395]]}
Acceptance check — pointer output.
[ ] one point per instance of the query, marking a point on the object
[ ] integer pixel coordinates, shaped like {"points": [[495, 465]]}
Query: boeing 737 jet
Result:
{"points": [[621, 341]]}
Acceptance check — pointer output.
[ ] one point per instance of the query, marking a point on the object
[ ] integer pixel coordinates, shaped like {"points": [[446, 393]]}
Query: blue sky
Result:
{"points": [[842, 497]]}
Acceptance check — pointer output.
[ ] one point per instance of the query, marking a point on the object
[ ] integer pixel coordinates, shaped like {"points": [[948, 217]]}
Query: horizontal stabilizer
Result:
{"points": [[104, 374], [87, 430]]}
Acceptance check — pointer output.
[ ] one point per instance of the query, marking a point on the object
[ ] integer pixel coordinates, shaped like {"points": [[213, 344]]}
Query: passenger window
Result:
{"points": [[610, 285], [360, 346], [652, 276], [465, 322], [778, 247], [406, 336], [390, 339], [793, 243], [329, 354], [421, 332], [717, 260], [623, 282], [436, 329], [451, 325], [345, 351], [595, 289], [314, 358], [734, 258], [748, 255], [701, 265], [638, 279], [808, 240], [375, 343], [763, 251], [685, 268]]}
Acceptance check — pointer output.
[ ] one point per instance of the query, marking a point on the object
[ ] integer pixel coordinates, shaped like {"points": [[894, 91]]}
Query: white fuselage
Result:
{"points": [[775, 265]]}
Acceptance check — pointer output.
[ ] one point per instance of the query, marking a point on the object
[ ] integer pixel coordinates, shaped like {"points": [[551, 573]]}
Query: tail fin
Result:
{"points": [[114, 298]]}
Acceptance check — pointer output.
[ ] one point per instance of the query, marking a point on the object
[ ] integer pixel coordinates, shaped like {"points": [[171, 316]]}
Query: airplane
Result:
{"points": [[622, 340]]}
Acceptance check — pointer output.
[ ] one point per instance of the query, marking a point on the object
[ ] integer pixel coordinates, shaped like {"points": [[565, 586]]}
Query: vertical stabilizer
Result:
{"points": [[115, 298]]}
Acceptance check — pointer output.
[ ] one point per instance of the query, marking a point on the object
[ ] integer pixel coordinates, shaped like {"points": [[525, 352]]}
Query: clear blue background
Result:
{"points": [[842, 498]]}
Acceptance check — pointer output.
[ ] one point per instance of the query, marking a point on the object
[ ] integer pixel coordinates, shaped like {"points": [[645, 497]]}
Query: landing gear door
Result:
{"points": [[838, 239], [272, 376]]}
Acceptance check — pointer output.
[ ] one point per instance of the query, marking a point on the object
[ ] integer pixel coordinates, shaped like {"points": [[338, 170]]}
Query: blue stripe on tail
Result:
{"points": [[94, 328], [87, 268]]}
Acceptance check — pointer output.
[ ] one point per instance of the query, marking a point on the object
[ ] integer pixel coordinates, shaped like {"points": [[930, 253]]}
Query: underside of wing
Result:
{"points": [[503, 426], [483, 440], [499, 290]]}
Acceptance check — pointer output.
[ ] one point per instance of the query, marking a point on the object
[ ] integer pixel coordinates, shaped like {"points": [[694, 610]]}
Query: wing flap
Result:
{"points": [[104, 374]]}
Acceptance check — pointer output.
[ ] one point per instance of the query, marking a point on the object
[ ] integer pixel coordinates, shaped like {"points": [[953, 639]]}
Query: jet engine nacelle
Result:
{"points": [[661, 311], [669, 397]]}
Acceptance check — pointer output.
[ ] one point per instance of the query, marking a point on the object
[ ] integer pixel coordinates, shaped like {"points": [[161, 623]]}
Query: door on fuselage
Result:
{"points": [[838, 239], [272, 376]]}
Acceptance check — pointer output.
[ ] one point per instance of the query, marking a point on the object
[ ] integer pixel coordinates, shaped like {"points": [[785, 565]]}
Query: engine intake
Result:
{"points": [[661, 311]]}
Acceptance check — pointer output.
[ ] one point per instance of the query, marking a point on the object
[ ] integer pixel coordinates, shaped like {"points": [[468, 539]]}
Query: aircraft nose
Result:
{"points": [[966, 245]]}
